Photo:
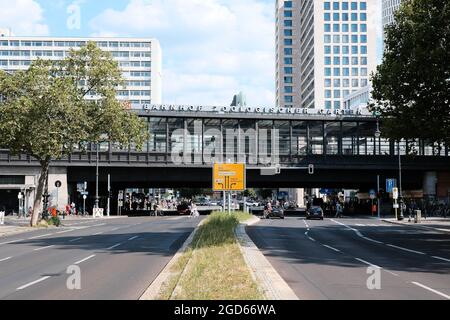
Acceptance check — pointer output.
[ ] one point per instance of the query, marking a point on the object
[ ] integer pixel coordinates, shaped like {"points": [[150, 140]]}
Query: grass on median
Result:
{"points": [[215, 266]]}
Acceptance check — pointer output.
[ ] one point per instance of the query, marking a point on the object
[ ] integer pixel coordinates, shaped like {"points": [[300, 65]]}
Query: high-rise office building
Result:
{"points": [[326, 50], [139, 59], [388, 11]]}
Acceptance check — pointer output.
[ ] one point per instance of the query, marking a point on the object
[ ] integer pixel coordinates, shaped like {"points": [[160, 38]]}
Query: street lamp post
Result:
{"points": [[377, 138], [401, 217], [97, 198]]}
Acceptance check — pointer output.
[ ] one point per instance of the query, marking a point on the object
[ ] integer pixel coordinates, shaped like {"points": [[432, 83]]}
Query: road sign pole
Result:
{"points": [[229, 202], [109, 196], [379, 197], [224, 201]]}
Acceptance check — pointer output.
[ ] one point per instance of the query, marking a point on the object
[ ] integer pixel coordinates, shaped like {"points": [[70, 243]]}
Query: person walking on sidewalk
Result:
{"points": [[2, 215]]}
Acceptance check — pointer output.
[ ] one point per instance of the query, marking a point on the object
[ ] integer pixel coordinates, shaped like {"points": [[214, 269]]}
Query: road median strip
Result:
{"points": [[211, 266]]}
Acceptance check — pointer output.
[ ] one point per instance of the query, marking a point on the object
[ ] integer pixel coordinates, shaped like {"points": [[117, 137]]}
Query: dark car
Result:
{"points": [[183, 209], [314, 213], [277, 212]]}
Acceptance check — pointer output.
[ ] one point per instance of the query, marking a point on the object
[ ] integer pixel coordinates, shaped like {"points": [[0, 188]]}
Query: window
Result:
{"points": [[288, 89], [336, 50], [337, 104], [327, 17], [288, 13], [363, 17], [354, 27], [337, 72], [337, 38], [288, 4], [364, 61], [355, 83], [345, 61], [326, 6], [327, 49], [328, 72], [363, 27], [336, 28], [327, 27], [288, 51], [364, 82], [288, 32], [327, 93], [345, 27], [363, 6], [345, 38], [337, 94], [336, 83], [344, 5], [354, 6], [346, 72], [337, 60], [354, 17], [327, 83], [335, 5], [346, 82], [355, 72], [345, 17], [328, 104], [288, 79], [345, 49], [327, 38], [327, 61], [287, 60], [335, 16], [288, 99], [364, 72], [354, 39], [288, 42], [288, 23], [363, 39], [288, 70], [354, 49]]}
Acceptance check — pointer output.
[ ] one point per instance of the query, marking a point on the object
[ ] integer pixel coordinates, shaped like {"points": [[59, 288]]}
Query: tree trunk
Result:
{"points": [[37, 207]]}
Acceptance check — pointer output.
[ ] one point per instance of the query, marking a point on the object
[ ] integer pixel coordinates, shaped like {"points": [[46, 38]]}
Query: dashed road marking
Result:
{"points": [[330, 247], [43, 248], [73, 240], [85, 259], [133, 238], [368, 263], [114, 246], [405, 249], [431, 290], [33, 283], [440, 258], [5, 259], [41, 236], [12, 241]]}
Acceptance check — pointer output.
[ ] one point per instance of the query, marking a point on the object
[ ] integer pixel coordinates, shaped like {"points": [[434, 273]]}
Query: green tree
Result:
{"points": [[411, 88], [250, 193], [56, 107]]}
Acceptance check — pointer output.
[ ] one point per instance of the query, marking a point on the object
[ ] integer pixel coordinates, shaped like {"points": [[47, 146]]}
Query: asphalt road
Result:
{"points": [[329, 260], [118, 258]]}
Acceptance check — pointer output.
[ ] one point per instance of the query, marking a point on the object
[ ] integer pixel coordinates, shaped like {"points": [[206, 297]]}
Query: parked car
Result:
{"points": [[314, 212], [277, 212]]}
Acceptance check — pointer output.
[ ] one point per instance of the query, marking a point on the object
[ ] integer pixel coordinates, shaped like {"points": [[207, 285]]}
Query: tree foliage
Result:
{"points": [[411, 88], [55, 107]]}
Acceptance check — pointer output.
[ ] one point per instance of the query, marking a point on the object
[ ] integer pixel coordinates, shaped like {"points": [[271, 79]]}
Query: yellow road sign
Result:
{"points": [[229, 177]]}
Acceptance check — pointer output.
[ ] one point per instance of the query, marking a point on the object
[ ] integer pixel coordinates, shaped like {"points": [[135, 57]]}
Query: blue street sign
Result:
{"points": [[372, 193], [390, 184]]}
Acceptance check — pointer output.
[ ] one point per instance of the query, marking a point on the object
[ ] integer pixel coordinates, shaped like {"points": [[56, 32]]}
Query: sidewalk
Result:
{"points": [[433, 223], [7, 230]]}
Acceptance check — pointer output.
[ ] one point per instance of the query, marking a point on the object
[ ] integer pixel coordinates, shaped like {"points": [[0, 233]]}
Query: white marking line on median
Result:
{"points": [[329, 247], [394, 274], [4, 259], [42, 236], [65, 231], [313, 240], [73, 240], [115, 229], [405, 249], [432, 290], [360, 225], [43, 248], [114, 246], [368, 263], [33, 283], [12, 241], [131, 239], [98, 233], [85, 259], [440, 258]]}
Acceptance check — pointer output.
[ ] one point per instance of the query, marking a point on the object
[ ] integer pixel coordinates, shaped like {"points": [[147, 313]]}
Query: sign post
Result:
{"points": [[58, 185], [229, 177], [395, 197]]}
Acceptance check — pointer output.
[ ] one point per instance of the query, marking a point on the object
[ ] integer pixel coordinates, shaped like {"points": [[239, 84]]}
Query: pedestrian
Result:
{"points": [[338, 210], [2, 214], [30, 212]]}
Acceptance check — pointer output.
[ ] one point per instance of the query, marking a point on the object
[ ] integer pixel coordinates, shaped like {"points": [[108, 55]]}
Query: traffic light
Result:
{"points": [[311, 169]]}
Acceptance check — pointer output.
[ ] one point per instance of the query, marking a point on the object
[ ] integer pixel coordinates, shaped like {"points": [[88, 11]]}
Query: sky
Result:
{"points": [[212, 49]]}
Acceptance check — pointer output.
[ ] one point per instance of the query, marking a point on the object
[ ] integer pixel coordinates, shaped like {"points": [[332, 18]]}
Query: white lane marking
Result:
{"points": [[329, 247], [313, 240], [405, 249], [115, 229], [114, 246], [394, 274], [368, 263], [440, 258], [4, 259], [432, 290], [85, 259], [97, 225], [65, 231], [360, 225], [73, 240], [12, 241], [131, 239], [98, 233], [43, 248], [306, 223], [42, 236], [372, 240], [32, 283]]}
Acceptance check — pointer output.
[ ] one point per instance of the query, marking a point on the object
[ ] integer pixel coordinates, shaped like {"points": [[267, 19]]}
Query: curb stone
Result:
{"points": [[154, 289], [270, 282], [416, 225]]}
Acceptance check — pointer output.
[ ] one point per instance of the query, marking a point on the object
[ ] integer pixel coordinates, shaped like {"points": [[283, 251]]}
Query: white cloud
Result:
{"points": [[211, 48], [23, 17]]}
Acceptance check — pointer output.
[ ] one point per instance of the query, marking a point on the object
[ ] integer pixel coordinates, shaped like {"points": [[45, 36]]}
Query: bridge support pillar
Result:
{"points": [[430, 184]]}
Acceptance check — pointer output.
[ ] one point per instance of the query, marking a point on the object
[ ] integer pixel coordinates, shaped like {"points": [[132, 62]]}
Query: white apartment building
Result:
{"points": [[140, 59], [326, 50]]}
